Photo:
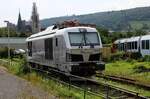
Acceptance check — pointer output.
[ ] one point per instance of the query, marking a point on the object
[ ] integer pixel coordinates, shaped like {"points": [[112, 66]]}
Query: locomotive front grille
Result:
{"points": [[74, 57], [94, 57]]}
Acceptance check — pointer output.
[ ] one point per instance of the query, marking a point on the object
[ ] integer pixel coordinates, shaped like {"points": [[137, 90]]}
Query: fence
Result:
{"points": [[87, 94]]}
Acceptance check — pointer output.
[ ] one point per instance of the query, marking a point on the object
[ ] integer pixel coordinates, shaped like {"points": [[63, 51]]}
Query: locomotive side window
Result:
{"points": [[49, 48], [30, 48], [56, 42]]}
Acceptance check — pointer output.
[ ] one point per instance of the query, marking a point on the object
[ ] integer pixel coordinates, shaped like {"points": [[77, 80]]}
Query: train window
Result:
{"points": [[56, 42], [143, 44], [119, 45], [123, 46], [147, 44], [30, 48], [49, 48], [132, 44], [135, 45], [129, 45]]}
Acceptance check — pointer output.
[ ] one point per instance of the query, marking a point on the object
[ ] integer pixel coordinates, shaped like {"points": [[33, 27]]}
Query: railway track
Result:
{"points": [[124, 80], [94, 87]]}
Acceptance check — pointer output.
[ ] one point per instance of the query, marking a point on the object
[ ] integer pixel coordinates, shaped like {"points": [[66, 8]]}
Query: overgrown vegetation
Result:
{"points": [[19, 67], [4, 52], [12, 32], [108, 37], [130, 68]]}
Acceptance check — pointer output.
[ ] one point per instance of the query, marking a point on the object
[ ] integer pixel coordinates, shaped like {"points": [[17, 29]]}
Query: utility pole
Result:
{"points": [[7, 22]]}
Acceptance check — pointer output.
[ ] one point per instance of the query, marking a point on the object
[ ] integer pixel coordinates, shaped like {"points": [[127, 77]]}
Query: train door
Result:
{"points": [[56, 50], [59, 53], [49, 49]]}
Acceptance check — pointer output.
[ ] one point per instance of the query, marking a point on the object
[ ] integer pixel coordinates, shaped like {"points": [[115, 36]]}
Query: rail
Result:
{"points": [[108, 90], [124, 80]]}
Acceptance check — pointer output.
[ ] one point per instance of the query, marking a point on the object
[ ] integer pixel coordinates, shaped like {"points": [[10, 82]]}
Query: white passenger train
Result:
{"points": [[139, 44], [74, 50]]}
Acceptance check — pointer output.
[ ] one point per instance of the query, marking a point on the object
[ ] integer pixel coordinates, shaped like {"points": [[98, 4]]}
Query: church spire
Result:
{"points": [[35, 19], [19, 24]]}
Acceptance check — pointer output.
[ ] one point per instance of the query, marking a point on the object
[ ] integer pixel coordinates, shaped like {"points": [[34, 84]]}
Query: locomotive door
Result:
{"points": [[57, 51]]}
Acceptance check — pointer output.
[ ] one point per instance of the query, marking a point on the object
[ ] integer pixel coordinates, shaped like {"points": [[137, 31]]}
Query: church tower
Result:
{"points": [[35, 19], [19, 23]]}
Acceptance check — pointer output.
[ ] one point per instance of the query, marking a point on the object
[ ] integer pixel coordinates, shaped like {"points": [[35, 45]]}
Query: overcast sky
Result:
{"points": [[9, 9]]}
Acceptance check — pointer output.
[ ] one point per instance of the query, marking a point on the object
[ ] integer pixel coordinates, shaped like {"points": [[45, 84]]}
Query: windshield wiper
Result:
{"points": [[81, 43], [90, 43]]}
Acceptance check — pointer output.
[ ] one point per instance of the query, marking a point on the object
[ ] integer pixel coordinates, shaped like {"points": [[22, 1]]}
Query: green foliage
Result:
{"points": [[104, 35], [113, 20], [146, 58], [18, 67], [129, 68], [136, 55], [4, 32], [141, 68], [12, 33], [117, 56], [4, 52], [23, 68], [111, 37]]}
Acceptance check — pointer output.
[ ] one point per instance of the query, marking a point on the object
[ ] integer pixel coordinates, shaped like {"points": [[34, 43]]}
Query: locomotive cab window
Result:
{"points": [[83, 38]]}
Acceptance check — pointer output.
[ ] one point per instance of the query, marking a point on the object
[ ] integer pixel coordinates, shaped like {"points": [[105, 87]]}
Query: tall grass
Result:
{"points": [[18, 67], [130, 69]]}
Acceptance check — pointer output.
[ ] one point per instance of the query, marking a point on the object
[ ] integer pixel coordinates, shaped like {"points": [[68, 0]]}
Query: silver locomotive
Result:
{"points": [[74, 50]]}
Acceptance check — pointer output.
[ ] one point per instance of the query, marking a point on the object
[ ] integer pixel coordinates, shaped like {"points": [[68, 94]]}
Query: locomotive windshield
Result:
{"points": [[83, 38]]}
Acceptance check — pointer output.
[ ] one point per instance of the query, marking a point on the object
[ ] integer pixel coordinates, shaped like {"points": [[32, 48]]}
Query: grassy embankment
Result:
{"points": [[51, 86], [126, 68], [130, 69]]}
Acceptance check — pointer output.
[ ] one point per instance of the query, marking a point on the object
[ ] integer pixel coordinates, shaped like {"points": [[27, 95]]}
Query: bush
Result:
{"points": [[4, 52], [117, 56], [135, 55], [140, 69], [23, 68], [146, 58]]}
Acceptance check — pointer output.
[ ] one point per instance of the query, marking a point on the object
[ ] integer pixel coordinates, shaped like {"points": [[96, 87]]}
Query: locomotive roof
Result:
{"points": [[53, 30]]}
